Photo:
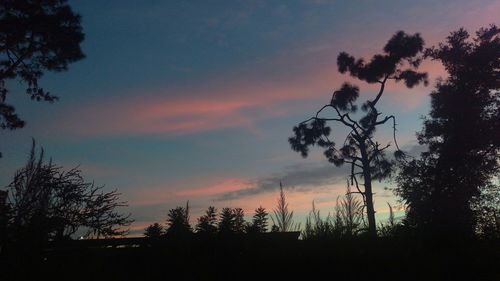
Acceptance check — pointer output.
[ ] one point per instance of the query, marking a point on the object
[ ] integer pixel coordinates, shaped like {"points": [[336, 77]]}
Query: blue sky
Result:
{"points": [[193, 100]]}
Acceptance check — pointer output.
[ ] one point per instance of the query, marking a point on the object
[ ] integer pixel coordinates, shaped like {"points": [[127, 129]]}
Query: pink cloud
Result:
{"points": [[203, 188], [200, 109], [191, 110], [243, 97], [227, 185]]}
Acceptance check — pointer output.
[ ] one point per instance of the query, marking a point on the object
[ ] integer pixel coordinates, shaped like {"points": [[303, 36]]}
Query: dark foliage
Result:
{"points": [[4, 216], [154, 230], [259, 221], [226, 221], [462, 135], [399, 61], [239, 220], [48, 203], [282, 218], [35, 36], [207, 224], [178, 222], [345, 222], [486, 208], [232, 221]]}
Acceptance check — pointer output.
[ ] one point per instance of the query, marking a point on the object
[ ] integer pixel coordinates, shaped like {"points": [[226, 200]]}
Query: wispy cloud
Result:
{"points": [[298, 177], [195, 109]]}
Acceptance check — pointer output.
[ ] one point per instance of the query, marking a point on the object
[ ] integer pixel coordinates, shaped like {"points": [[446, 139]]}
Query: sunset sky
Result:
{"points": [[195, 100]]}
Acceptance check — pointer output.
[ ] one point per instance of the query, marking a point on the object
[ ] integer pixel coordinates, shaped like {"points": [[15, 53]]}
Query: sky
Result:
{"points": [[195, 100]]}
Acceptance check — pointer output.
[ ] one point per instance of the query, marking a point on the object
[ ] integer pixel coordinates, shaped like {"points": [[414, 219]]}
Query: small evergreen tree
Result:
{"points": [[259, 222], [153, 231], [207, 223], [227, 221], [239, 220], [178, 221]]}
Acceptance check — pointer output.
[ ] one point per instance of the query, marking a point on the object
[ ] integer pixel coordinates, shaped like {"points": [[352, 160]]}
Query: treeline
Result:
{"points": [[229, 221], [346, 221]]}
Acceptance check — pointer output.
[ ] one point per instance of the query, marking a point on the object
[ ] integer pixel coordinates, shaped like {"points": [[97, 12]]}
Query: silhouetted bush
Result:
{"points": [[282, 218], [154, 230], [49, 203]]}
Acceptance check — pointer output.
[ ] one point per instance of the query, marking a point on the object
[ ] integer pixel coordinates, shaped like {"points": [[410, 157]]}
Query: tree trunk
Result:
{"points": [[370, 210], [367, 178]]}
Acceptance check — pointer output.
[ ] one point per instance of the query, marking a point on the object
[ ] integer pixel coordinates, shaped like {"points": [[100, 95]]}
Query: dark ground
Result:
{"points": [[260, 259]]}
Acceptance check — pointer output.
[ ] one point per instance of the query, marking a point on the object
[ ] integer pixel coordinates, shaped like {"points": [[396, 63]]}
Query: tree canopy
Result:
{"points": [[462, 135], [46, 37]]}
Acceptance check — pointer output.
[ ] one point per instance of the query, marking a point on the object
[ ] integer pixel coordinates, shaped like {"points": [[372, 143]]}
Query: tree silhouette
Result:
{"points": [[259, 221], [227, 221], [462, 135], [207, 223], [48, 203], [154, 230], [35, 36], [178, 222], [366, 157], [282, 218], [239, 220]]}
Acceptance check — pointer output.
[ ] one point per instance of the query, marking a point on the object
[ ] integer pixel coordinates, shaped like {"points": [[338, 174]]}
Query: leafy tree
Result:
{"points": [[178, 221], [35, 36], [486, 208], [259, 221], [359, 149], [282, 218], [462, 136], [48, 203], [226, 221], [208, 223], [154, 230]]}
